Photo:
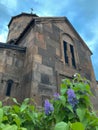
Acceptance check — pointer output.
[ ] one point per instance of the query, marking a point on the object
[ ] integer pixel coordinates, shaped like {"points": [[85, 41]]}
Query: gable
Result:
{"points": [[68, 29]]}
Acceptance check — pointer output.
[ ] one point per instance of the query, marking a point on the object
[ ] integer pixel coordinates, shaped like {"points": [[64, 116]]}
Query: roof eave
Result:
{"points": [[22, 14]]}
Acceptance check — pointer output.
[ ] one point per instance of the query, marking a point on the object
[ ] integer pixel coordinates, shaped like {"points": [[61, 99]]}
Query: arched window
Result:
{"points": [[68, 50], [9, 86]]}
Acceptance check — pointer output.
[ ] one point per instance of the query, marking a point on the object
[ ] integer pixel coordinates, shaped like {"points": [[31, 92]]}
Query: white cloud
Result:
{"points": [[11, 5], [51, 7], [3, 36]]}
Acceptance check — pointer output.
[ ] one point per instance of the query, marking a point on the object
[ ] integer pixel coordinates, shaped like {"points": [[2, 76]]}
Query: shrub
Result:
{"points": [[71, 109]]}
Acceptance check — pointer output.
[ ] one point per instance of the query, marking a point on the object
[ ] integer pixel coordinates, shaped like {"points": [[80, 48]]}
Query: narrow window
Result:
{"points": [[72, 56], [9, 85], [65, 52]]}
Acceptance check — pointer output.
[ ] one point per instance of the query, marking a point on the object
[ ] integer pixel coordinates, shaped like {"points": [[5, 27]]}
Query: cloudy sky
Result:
{"points": [[83, 14]]}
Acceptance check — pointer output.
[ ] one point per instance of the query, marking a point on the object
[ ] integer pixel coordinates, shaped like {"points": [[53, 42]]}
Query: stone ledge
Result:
{"points": [[13, 47]]}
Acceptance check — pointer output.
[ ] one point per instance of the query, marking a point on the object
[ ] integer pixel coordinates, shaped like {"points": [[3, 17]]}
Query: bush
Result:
{"points": [[69, 110]]}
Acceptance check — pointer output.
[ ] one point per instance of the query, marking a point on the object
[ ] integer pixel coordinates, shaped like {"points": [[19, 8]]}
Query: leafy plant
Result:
{"points": [[71, 109]]}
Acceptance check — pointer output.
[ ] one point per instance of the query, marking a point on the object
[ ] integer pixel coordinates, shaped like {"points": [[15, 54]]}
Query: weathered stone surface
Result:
{"points": [[37, 58], [36, 76], [45, 69], [2, 68], [45, 79], [39, 28], [48, 56], [38, 72], [45, 89], [47, 27], [17, 26], [58, 52], [27, 77], [56, 33], [9, 60], [40, 40], [34, 88]]}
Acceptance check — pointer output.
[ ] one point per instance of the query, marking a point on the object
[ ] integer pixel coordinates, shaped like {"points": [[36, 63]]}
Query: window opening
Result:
{"points": [[72, 56], [65, 52], [9, 86]]}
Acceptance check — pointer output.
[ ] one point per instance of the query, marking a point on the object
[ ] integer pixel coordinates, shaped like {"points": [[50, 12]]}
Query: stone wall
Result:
{"points": [[50, 66], [17, 26], [11, 68], [40, 70], [28, 41]]}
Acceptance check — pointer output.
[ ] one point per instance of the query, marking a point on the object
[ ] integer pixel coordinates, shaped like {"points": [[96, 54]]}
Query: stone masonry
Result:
{"points": [[38, 65]]}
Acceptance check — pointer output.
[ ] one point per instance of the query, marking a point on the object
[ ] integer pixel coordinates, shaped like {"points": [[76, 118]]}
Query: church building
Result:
{"points": [[38, 54]]}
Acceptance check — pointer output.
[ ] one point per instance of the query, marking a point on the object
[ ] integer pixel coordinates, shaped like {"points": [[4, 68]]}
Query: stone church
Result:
{"points": [[39, 52]]}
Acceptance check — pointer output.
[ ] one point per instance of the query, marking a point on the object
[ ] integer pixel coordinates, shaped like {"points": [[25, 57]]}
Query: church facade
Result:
{"points": [[40, 51]]}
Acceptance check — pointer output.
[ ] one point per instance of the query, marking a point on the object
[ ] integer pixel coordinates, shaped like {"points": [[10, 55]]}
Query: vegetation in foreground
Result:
{"points": [[71, 109]]}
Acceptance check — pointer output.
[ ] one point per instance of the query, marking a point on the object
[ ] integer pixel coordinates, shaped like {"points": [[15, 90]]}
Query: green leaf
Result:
{"points": [[69, 107], [23, 129], [63, 89], [77, 126], [15, 101], [16, 108], [0, 104], [1, 115], [5, 118], [17, 121], [81, 113], [61, 126], [60, 116], [63, 100], [26, 101], [10, 127], [24, 104], [23, 107], [2, 126]]}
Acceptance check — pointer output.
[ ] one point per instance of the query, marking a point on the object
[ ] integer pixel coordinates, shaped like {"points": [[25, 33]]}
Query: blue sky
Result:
{"points": [[83, 14]]}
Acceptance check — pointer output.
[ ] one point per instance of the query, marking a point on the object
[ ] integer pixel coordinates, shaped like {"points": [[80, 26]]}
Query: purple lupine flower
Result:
{"points": [[56, 96], [71, 93], [48, 107], [72, 98], [73, 101]]}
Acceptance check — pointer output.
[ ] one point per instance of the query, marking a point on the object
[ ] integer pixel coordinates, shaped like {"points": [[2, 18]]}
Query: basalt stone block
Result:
{"points": [[36, 76], [37, 58], [47, 27], [50, 51], [45, 69], [45, 79], [2, 68], [58, 52], [34, 88], [44, 89], [28, 77], [48, 58], [56, 32], [49, 61], [18, 63], [39, 28], [9, 60], [40, 40], [49, 34], [52, 42]]}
